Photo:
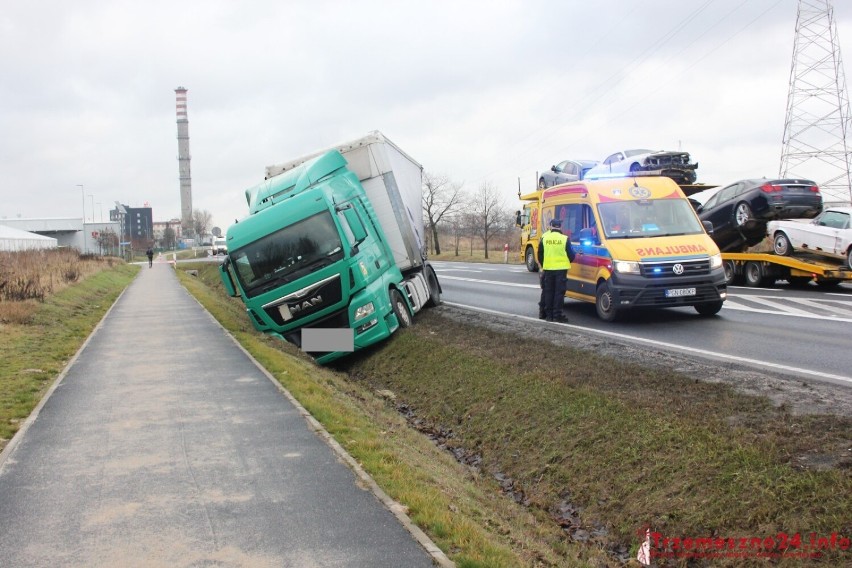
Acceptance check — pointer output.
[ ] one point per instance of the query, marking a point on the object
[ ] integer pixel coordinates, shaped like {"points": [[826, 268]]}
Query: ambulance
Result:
{"points": [[638, 244]]}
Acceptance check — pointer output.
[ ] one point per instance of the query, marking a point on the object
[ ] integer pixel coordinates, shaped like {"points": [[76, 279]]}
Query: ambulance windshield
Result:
{"points": [[648, 218]]}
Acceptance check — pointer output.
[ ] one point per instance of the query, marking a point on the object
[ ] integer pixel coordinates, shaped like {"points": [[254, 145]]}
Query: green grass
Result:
{"points": [[35, 352], [626, 446]]}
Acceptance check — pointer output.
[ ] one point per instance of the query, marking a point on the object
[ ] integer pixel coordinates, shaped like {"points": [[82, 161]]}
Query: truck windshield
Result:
{"points": [[288, 254], [648, 218]]}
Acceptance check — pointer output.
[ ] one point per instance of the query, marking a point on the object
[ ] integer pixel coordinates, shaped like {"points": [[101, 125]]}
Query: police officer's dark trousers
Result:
{"points": [[554, 293]]}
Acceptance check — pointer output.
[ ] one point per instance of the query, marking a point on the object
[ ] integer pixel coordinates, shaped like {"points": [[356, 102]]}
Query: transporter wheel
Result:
{"points": [[730, 272], [529, 259], [742, 215], [434, 288], [781, 244], [400, 309], [605, 303], [755, 275], [709, 309], [849, 258]]}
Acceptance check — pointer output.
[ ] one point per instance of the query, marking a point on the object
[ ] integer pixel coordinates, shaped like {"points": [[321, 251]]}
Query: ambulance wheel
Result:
{"points": [[709, 309], [605, 303], [400, 308], [434, 288], [529, 259]]}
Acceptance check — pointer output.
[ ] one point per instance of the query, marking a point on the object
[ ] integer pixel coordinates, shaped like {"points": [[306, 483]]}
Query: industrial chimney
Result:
{"points": [[183, 162]]}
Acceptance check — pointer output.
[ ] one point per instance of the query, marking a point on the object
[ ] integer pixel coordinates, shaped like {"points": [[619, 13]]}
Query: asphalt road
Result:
{"points": [[798, 332], [165, 445]]}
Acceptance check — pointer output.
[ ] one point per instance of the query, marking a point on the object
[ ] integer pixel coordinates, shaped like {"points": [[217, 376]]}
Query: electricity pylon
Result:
{"points": [[817, 122]]}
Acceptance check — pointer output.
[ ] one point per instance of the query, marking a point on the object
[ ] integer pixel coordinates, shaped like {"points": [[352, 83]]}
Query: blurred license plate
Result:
{"points": [[677, 292]]}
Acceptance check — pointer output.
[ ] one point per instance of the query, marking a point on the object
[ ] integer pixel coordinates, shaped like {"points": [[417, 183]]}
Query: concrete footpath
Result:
{"points": [[164, 445]]}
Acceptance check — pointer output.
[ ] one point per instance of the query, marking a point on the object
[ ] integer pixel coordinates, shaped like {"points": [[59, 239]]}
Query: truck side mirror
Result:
{"points": [[227, 281], [517, 218], [708, 227], [354, 222]]}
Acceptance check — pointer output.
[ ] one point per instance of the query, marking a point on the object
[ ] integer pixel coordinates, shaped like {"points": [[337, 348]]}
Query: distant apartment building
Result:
{"points": [[137, 225], [167, 233]]}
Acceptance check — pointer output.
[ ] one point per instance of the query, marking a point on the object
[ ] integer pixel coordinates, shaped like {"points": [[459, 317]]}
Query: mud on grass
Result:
{"points": [[607, 446]]}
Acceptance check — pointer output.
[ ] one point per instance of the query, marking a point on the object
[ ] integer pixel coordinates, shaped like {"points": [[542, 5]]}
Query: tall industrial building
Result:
{"points": [[183, 161], [816, 142]]}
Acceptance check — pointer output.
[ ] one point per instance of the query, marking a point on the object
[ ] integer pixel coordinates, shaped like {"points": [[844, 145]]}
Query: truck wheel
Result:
{"points": [[400, 308], [742, 215], [781, 244], [434, 288], [529, 259], [605, 303], [709, 309], [849, 258], [541, 184], [730, 272], [755, 275]]}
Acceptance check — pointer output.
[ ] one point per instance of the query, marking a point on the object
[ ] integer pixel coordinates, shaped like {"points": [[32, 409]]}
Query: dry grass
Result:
{"points": [[34, 275]]}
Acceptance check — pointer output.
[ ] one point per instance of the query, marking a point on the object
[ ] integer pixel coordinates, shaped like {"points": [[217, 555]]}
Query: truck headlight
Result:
{"points": [[715, 261], [364, 310], [626, 266]]}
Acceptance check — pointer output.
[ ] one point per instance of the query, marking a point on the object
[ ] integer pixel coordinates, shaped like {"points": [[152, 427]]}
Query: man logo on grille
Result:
{"points": [[677, 269]]}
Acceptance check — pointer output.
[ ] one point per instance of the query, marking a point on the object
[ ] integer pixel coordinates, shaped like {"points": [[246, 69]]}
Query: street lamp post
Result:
{"points": [[92, 201], [83, 195]]}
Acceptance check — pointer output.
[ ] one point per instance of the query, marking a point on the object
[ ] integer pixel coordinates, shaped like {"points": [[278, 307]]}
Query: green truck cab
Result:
{"points": [[331, 256]]}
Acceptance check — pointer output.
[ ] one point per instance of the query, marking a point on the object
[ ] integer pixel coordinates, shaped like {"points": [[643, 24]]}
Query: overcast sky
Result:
{"points": [[481, 92]]}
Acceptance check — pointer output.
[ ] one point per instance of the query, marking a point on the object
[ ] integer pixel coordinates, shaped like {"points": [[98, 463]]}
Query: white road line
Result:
{"points": [[762, 300], [827, 307], [493, 282], [655, 343]]}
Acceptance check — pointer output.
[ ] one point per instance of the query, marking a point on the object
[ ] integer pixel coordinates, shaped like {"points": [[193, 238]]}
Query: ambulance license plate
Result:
{"points": [[678, 292]]}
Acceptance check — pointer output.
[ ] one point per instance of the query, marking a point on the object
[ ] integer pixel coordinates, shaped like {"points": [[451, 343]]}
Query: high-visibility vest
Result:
{"points": [[555, 257]]}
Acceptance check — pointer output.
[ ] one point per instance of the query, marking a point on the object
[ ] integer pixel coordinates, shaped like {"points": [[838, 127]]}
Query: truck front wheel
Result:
{"points": [[529, 258], [400, 308], [605, 303]]}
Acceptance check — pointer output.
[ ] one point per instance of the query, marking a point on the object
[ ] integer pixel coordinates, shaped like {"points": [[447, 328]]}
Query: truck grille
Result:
{"points": [[310, 301], [670, 268]]}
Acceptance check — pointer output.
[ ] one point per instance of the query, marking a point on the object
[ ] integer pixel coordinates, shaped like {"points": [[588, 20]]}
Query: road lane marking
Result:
{"points": [[732, 303], [493, 282], [703, 352], [764, 301]]}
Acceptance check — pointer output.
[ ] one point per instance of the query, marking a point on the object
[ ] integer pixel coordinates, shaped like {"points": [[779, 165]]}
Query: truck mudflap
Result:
{"points": [[417, 290]]}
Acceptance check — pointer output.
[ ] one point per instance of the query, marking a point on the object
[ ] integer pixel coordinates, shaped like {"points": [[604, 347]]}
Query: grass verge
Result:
{"points": [[35, 350], [569, 454]]}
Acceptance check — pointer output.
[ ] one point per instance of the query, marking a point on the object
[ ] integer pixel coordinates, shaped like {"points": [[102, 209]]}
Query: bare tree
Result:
{"points": [[489, 210], [201, 220], [441, 198]]}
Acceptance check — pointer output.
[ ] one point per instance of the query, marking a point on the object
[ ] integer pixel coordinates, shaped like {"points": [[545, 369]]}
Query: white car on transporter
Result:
{"points": [[829, 234]]}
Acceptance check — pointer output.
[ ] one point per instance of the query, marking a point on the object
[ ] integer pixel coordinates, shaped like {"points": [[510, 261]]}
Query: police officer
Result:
{"points": [[554, 256]]}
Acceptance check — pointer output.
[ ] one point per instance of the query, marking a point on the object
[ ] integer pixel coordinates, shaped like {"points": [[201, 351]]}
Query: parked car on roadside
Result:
{"points": [[829, 234], [675, 165], [740, 211], [564, 172]]}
